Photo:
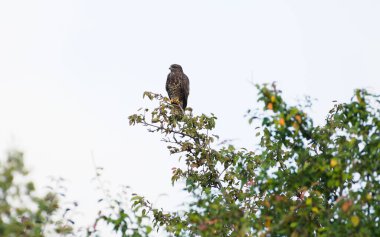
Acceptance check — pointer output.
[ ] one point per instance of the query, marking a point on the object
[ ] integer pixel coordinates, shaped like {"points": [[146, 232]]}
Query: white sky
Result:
{"points": [[72, 71]]}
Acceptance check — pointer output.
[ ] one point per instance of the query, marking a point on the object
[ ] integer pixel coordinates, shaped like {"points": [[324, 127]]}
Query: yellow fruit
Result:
{"points": [[273, 98], [355, 220], [309, 201], [333, 162], [315, 210]]}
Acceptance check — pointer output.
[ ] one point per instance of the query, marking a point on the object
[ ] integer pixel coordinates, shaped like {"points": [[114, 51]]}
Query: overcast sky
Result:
{"points": [[72, 71]]}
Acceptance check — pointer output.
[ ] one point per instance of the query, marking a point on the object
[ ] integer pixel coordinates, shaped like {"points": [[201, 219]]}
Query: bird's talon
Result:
{"points": [[174, 101]]}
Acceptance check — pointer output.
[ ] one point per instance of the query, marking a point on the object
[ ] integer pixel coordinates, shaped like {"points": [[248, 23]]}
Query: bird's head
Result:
{"points": [[175, 68]]}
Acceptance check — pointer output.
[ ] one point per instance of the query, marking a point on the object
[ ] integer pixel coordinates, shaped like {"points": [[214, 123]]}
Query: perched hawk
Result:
{"points": [[177, 86]]}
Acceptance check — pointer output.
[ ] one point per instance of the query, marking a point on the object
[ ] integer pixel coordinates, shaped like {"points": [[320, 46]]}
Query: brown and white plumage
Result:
{"points": [[178, 86]]}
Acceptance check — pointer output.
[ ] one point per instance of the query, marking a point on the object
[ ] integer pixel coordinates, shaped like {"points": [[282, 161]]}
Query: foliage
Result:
{"points": [[22, 211], [116, 211], [301, 180]]}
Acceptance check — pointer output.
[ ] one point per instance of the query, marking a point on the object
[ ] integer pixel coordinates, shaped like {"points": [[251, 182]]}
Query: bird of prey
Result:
{"points": [[177, 86]]}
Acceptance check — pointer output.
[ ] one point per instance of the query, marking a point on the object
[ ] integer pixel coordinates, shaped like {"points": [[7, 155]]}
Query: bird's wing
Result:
{"points": [[185, 90], [167, 84]]}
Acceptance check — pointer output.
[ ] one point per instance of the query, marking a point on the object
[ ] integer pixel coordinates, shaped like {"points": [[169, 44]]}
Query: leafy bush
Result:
{"points": [[22, 211], [301, 180]]}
